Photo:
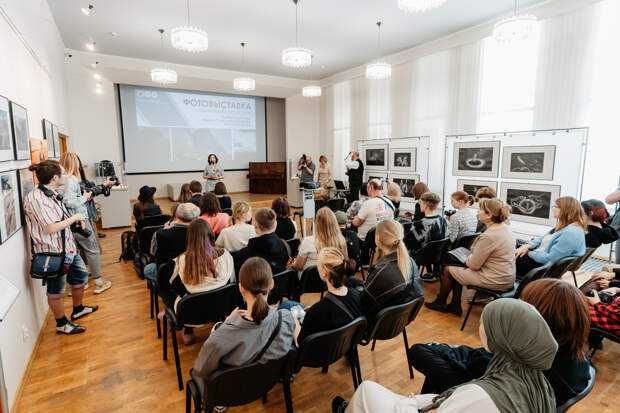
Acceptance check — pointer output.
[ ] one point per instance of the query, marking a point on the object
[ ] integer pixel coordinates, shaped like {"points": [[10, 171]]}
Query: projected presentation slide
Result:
{"points": [[168, 130]]}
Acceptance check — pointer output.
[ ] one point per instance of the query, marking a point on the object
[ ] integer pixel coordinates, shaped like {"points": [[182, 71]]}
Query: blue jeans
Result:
{"points": [[77, 276], [150, 271], [288, 304]]}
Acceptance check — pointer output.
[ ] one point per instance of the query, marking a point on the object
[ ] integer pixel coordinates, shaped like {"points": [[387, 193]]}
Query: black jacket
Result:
{"points": [[169, 243], [285, 228], [386, 286], [597, 236], [225, 202], [267, 246], [356, 176], [196, 200]]}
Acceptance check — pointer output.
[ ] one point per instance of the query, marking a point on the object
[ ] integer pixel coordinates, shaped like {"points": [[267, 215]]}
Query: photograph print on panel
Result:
{"points": [[56, 141], [406, 183], [403, 159], [49, 137], [375, 157], [471, 187], [21, 134], [531, 203], [10, 213], [529, 162], [478, 158], [7, 153], [26, 185]]}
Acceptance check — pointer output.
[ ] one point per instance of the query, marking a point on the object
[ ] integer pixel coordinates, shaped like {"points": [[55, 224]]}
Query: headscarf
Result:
{"points": [[523, 347]]}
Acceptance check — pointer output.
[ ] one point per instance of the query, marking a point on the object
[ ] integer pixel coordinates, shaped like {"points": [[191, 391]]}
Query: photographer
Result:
{"points": [[48, 222], [76, 203], [95, 190], [307, 168], [605, 310]]}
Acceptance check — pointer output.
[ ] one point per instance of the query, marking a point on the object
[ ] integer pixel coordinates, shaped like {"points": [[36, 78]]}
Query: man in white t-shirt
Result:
{"points": [[375, 209]]}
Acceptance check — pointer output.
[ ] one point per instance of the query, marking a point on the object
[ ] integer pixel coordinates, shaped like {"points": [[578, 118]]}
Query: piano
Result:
{"points": [[267, 177]]}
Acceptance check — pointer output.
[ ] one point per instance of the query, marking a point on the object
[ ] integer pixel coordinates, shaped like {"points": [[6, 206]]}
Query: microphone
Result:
{"points": [[346, 157]]}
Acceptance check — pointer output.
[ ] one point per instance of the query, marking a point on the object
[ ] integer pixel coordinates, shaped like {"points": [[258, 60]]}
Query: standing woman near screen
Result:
{"points": [[213, 173]]}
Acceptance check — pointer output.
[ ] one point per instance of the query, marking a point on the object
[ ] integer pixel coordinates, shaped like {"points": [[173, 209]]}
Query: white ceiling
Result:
{"points": [[341, 33]]}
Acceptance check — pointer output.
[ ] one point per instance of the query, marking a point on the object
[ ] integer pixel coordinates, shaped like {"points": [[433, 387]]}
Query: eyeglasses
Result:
{"points": [[555, 206]]}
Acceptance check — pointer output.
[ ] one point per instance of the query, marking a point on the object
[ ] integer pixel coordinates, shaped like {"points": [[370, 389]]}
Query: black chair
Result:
{"points": [[311, 282], [465, 241], [327, 347], [488, 293], [152, 221], [558, 269], [222, 387], [533, 275], [576, 264], [595, 331], [570, 402], [392, 321], [142, 256], [198, 309], [406, 223], [228, 211], [336, 204], [164, 272], [299, 214], [429, 256], [293, 244], [318, 204], [369, 246], [285, 284]]}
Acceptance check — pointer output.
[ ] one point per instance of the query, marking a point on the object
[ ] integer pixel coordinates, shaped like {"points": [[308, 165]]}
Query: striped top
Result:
{"points": [[40, 212]]}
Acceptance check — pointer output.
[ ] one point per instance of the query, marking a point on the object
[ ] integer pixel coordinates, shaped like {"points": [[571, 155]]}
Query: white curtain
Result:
{"points": [[342, 127], [380, 109]]}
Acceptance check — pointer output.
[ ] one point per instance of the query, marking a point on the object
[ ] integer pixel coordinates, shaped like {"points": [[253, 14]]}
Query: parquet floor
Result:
{"points": [[117, 366]]}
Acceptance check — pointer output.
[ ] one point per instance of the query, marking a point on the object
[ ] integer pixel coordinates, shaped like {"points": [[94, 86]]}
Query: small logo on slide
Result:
{"points": [[146, 94]]}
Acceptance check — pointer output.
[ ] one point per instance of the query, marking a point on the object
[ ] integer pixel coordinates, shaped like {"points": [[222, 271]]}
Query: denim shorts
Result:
{"points": [[78, 275]]}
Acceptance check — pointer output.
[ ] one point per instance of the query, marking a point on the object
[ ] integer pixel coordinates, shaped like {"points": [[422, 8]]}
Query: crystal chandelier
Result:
{"points": [[418, 6], [244, 84], [378, 70], [188, 38], [311, 91], [162, 75], [296, 56], [515, 28]]}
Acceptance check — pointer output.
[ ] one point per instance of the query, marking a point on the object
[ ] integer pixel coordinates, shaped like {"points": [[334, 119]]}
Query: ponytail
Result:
{"points": [[260, 309], [496, 208], [463, 196], [389, 236], [404, 262], [256, 278], [337, 265]]}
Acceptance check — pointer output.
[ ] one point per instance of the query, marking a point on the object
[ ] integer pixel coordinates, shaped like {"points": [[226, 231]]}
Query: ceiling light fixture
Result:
{"points": [[515, 28], [296, 56], [90, 46], [99, 89], [97, 76], [311, 91], [87, 10], [94, 65], [244, 84], [162, 75], [379, 70], [419, 6], [188, 38]]}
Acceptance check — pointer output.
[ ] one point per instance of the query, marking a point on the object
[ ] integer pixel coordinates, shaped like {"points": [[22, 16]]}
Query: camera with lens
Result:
{"points": [[115, 179], [76, 228], [450, 212]]}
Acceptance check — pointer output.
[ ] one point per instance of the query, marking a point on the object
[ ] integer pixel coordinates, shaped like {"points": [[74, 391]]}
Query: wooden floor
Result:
{"points": [[117, 366]]}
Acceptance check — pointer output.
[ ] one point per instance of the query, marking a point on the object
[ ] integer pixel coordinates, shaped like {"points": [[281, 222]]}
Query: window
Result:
{"points": [[380, 109], [342, 127]]}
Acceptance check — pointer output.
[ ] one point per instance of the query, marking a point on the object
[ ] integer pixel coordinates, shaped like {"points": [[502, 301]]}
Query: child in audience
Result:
{"points": [[599, 232], [464, 220], [237, 236], [431, 227], [486, 192], [244, 333], [185, 195], [567, 239], [221, 194], [212, 213], [286, 228]]}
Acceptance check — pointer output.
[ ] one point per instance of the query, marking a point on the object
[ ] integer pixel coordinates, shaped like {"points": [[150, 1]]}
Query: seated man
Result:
{"points": [[195, 187], [431, 227], [374, 209], [266, 244], [169, 242]]}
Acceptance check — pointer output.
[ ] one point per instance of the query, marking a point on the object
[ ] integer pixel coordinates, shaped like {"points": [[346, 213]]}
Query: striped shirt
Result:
{"points": [[41, 211]]}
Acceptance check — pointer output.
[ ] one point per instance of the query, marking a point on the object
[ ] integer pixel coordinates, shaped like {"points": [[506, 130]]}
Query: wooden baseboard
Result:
{"points": [[20, 388]]}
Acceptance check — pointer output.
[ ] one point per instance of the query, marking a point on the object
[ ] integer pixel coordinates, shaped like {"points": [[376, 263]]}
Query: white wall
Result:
{"points": [[37, 83]]}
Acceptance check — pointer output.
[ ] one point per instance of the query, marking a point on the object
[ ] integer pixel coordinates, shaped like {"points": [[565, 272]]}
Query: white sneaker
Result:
{"points": [[70, 328], [99, 288]]}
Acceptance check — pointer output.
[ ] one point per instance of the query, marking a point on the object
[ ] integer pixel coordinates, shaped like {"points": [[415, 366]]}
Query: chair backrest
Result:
{"points": [[293, 244], [391, 321], [335, 204], [559, 268], [207, 307], [145, 236], [370, 241], [222, 387], [576, 264], [464, 240], [318, 204], [533, 275], [324, 348], [584, 393], [407, 224], [284, 285], [432, 252], [153, 220], [311, 282]]}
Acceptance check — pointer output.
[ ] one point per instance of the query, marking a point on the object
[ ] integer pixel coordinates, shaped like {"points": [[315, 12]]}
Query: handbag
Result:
{"points": [[48, 265]]}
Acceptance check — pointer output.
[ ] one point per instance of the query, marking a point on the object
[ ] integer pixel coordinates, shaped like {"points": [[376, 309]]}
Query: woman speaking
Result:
{"points": [[213, 173]]}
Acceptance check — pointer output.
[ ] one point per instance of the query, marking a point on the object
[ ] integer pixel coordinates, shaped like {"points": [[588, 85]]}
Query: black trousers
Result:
{"points": [[354, 193], [524, 265]]}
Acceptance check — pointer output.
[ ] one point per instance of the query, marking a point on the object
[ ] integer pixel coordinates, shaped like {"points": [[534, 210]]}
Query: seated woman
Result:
{"points": [[200, 268], [464, 220], [393, 194], [222, 195], [235, 237], [185, 195], [522, 347], [491, 263], [606, 316], [564, 309], [394, 279], [567, 239], [146, 206], [211, 212], [326, 234], [599, 232], [431, 227], [418, 190], [245, 333], [286, 228], [486, 192]]}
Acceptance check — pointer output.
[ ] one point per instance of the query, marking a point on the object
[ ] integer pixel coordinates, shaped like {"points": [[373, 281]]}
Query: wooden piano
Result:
{"points": [[267, 177]]}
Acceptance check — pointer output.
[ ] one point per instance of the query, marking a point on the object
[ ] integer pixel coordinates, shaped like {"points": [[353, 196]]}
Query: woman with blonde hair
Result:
{"points": [[237, 236], [324, 176], [567, 239], [393, 194], [185, 195], [75, 199], [491, 263], [394, 279]]}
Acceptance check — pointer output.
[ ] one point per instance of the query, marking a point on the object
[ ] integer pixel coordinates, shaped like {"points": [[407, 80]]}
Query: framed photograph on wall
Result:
{"points": [[56, 141], [26, 185], [406, 183], [38, 152], [531, 203], [403, 159], [7, 153], [21, 133], [376, 157], [48, 136], [480, 159], [10, 212], [472, 186], [528, 162], [368, 175]]}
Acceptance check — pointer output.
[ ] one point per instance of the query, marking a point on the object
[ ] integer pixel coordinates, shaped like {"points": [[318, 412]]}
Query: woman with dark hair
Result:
{"points": [[211, 212], [213, 173], [243, 335], [486, 192], [146, 206], [418, 190], [566, 312], [185, 195], [598, 231], [222, 197], [286, 228]]}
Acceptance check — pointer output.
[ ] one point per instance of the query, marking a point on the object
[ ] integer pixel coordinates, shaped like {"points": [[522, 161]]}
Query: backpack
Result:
{"points": [[128, 246]]}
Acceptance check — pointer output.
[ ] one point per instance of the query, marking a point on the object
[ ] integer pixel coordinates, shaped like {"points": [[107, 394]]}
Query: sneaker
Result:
{"points": [[85, 311], [220, 409], [429, 277], [70, 328], [99, 288], [339, 405], [100, 235]]}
